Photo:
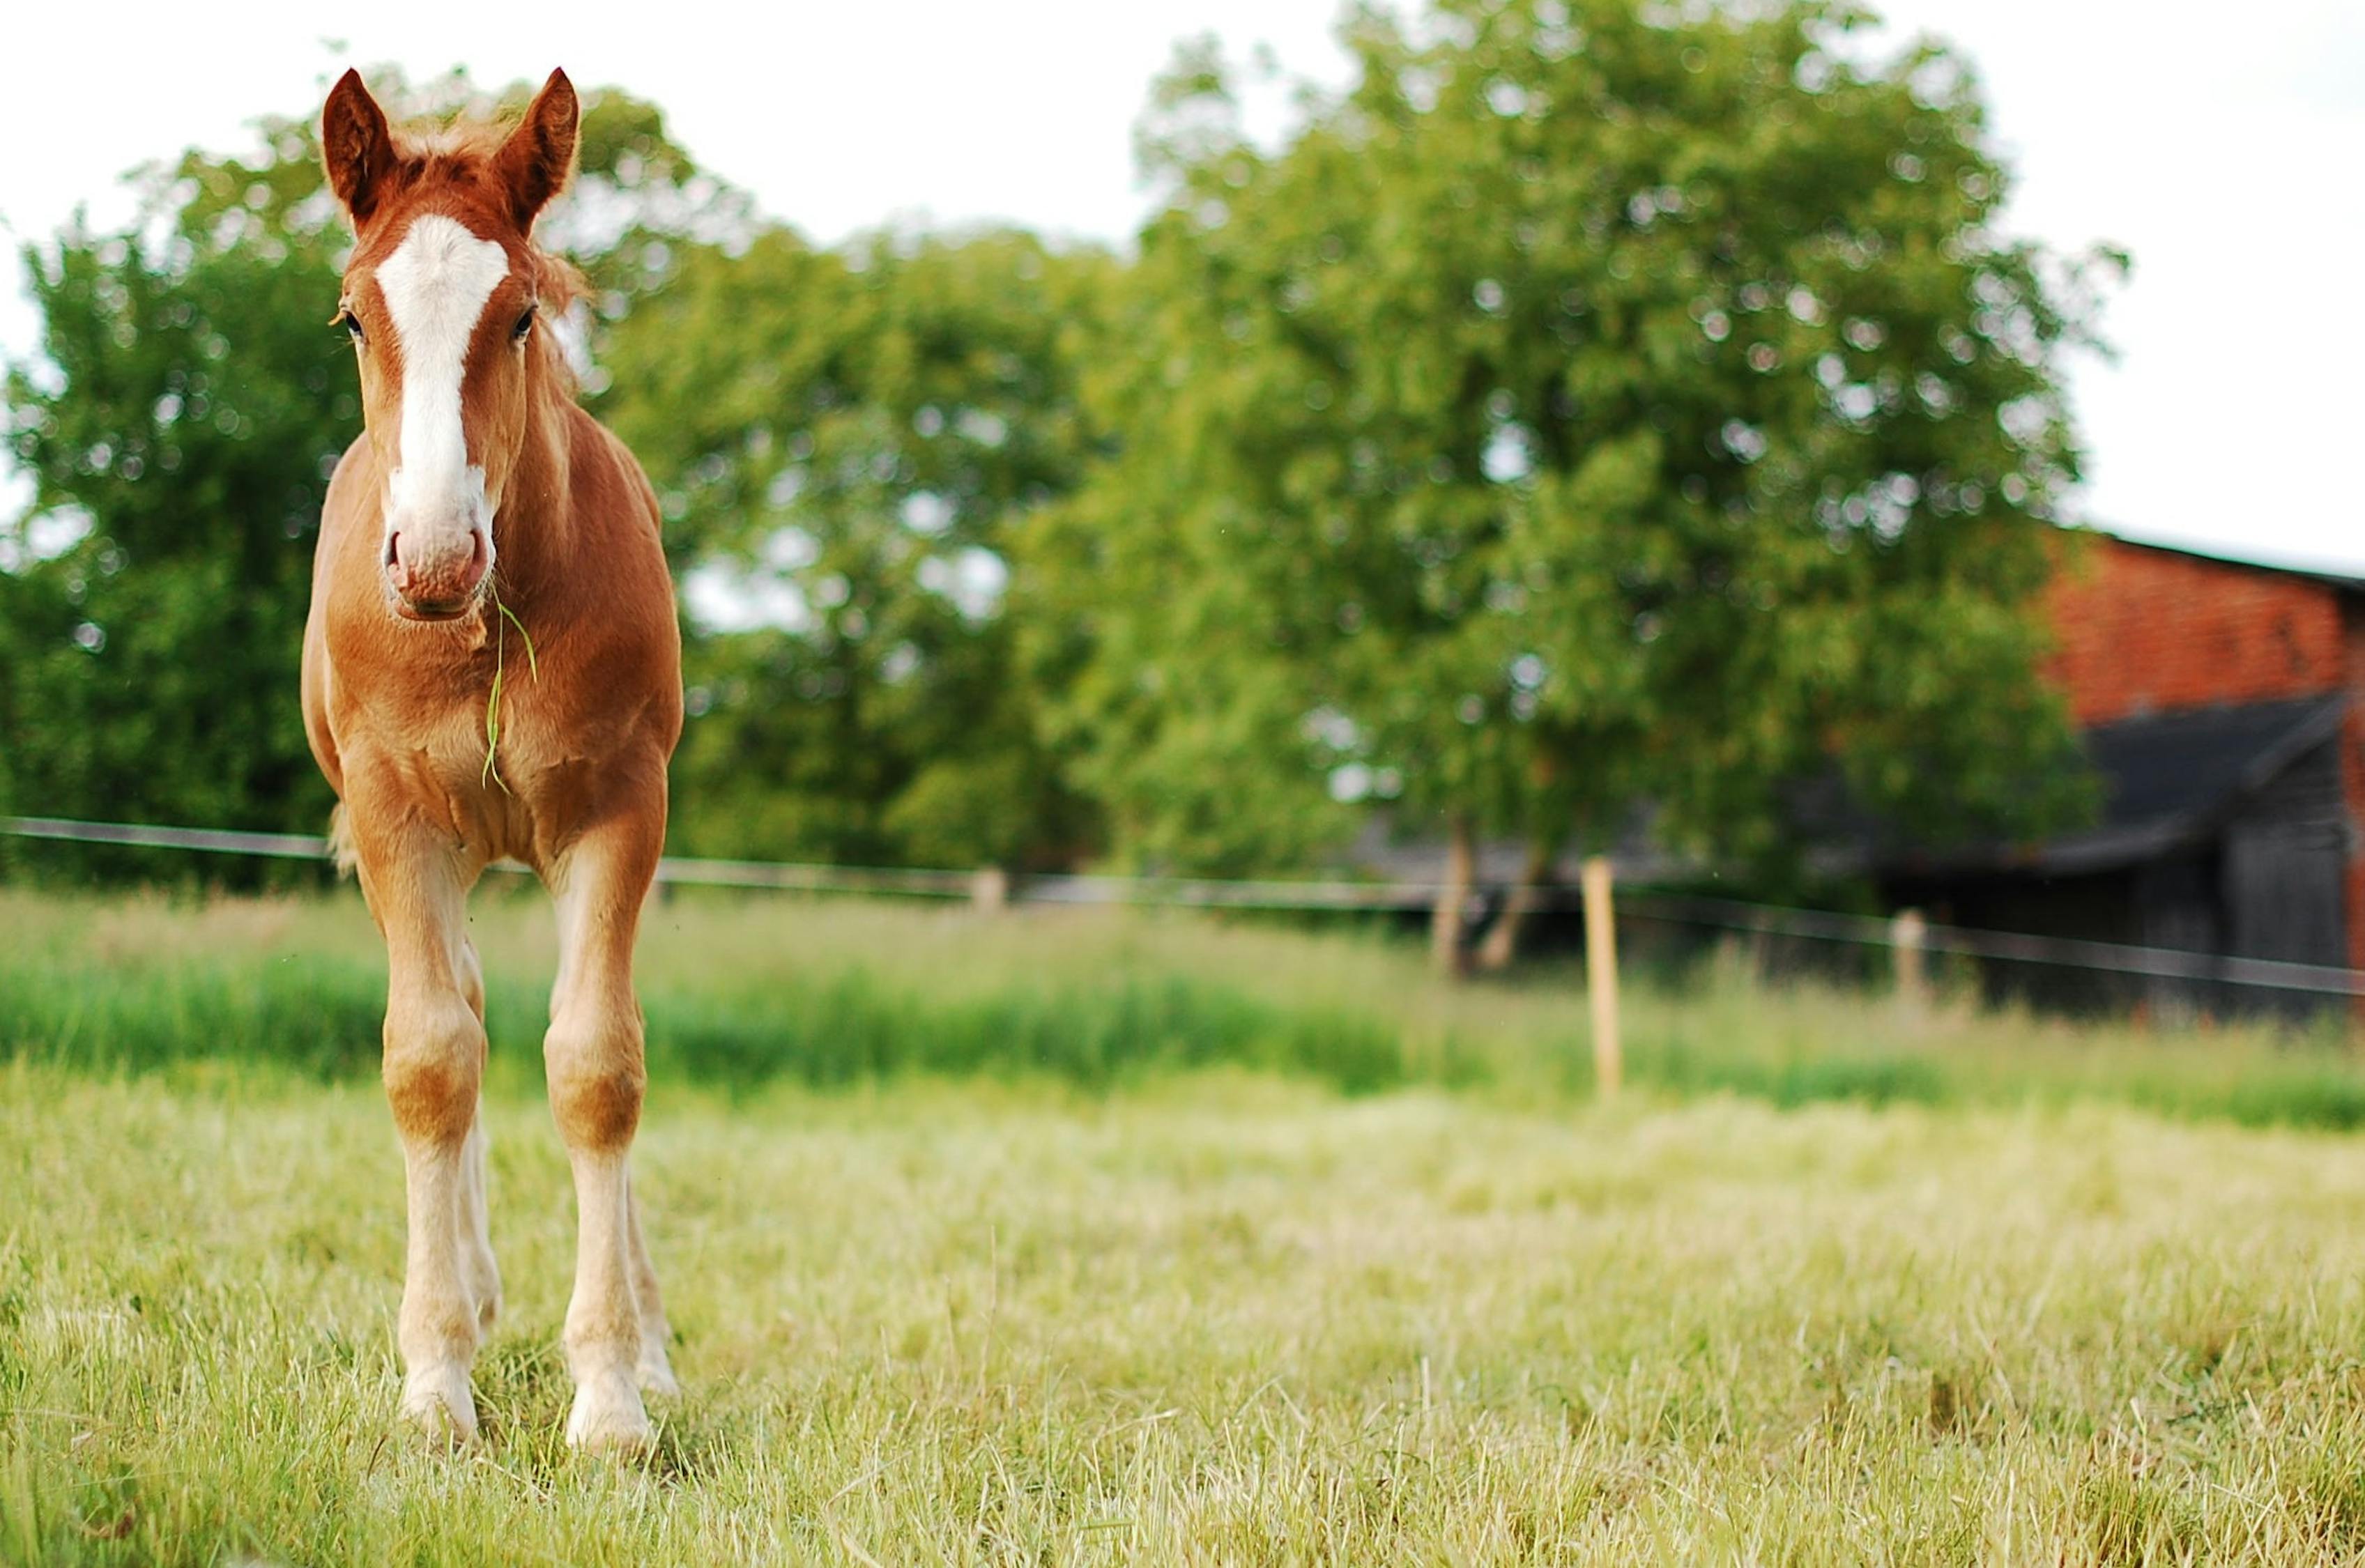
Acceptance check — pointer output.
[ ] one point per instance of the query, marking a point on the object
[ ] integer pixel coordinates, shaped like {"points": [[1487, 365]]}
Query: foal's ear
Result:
{"points": [[534, 163], [355, 147]]}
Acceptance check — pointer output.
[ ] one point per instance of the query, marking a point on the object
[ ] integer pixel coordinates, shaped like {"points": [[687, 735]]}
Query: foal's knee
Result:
{"points": [[597, 1078], [434, 1067]]}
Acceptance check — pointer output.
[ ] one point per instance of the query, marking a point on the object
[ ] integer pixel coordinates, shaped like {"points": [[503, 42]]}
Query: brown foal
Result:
{"points": [[485, 542]]}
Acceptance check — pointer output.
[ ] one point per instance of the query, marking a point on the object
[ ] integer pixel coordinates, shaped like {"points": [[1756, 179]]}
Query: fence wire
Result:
{"points": [[1206, 892]]}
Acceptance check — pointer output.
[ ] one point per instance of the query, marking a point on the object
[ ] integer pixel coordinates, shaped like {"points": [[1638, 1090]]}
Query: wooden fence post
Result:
{"points": [[989, 890], [1601, 976], [1449, 918], [1908, 940]]}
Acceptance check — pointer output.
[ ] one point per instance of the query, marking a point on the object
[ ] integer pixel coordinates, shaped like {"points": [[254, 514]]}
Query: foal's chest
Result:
{"points": [[506, 752]]}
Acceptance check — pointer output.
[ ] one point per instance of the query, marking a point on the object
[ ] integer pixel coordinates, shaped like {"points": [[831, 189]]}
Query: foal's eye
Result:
{"points": [[350, 323], [524, 325]]}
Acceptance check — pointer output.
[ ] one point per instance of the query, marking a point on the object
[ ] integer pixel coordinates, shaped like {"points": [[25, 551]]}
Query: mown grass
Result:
{"points": [[741, 993], [1209, 1318], [1094, 1239]]}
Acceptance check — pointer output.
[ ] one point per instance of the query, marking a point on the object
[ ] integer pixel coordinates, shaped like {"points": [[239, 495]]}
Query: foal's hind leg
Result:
{"points": [[655, 1366], [593, 1056], [434, 1065], [478, 1272]]}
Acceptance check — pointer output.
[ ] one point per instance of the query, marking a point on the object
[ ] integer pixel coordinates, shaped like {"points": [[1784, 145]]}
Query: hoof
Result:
{"points": [[655, 1374], [608, 1417], [437, 1402]]}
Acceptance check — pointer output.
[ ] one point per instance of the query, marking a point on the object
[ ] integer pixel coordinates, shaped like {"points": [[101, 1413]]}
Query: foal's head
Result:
{"points": [[443, 298]]}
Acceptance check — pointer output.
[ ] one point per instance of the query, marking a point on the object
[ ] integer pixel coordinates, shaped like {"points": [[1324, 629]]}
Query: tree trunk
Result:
{"points": [[1450, 916], [1501, 942]]}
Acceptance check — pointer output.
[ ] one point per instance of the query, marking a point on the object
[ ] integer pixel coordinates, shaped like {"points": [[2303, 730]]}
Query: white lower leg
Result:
{"points": [[603, 1322], [593, 1061], [438, 1326]]}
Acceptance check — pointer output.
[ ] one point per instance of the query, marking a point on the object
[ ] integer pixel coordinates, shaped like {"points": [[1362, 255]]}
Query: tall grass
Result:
{"points": [[317, 1014], [740, 992]]}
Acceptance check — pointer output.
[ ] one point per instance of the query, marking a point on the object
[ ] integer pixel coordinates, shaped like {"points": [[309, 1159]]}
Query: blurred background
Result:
{"points": [[1821, 465]]}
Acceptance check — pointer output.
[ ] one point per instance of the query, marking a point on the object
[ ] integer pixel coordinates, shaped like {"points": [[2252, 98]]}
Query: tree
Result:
{"points": [[1596, 404], [178, 433], [844, 443], [179, 426]]}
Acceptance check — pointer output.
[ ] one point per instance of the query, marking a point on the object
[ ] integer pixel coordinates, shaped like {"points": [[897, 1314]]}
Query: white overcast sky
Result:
{"points": [[2221, 147]]}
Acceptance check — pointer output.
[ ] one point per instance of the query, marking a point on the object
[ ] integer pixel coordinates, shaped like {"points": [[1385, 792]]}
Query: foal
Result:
{"points": [[491, 668]]}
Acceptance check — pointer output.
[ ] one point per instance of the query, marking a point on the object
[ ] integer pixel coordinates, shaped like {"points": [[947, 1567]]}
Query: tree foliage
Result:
{"points": [[178, 435], [1594, 403], [845, 441]]}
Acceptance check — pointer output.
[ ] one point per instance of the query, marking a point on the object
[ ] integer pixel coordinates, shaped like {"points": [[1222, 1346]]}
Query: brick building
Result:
{"points": [[2222, 705]]}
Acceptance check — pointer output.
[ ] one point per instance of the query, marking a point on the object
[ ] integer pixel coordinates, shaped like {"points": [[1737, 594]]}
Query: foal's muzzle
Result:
{"points": [[436, 576]]}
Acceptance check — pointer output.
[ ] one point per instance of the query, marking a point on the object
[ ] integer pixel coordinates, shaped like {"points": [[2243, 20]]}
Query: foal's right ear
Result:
{"points": [[355, 148]]}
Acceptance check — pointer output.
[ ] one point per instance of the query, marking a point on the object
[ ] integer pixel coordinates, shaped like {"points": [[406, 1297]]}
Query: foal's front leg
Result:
{"points": [[593, 1057], [416, 887]]}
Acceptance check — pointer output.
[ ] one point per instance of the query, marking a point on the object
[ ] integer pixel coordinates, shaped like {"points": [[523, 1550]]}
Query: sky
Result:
{"points": [[2219, 148]]}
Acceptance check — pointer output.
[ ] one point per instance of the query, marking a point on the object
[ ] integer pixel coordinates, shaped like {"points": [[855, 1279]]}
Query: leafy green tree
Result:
{"points": [[178, 431], [179, 425], [1597, 403], [844, 443]]}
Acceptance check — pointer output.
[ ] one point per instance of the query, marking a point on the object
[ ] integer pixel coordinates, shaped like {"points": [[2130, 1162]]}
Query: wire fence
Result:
{"points": [[1734, 915]]}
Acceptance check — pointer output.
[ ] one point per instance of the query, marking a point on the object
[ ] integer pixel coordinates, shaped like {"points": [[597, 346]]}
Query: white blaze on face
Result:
{"points": [[436, 284]]}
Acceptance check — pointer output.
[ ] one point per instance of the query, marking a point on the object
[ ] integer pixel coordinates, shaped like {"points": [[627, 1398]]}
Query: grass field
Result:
{"points": [[1161, 1241]]}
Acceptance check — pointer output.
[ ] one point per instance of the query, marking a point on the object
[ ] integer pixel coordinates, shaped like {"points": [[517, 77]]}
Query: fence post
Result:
{"points": [[989, 890], [1601, 976], [1909, 941], [1449, 919]]}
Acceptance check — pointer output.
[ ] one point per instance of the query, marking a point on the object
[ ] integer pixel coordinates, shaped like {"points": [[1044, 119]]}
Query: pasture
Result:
{"points": [[1108, 1239]]}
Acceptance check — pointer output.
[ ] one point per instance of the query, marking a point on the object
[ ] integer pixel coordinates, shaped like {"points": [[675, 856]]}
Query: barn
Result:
{"points": [[2222, 702]]}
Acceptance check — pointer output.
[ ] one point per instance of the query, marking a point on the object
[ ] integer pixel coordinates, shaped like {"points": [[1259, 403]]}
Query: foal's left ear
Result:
{"points": [[534, 163]]}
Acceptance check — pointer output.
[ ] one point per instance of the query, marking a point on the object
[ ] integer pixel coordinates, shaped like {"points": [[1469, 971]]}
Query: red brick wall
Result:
{"points": [[2142, 631]]}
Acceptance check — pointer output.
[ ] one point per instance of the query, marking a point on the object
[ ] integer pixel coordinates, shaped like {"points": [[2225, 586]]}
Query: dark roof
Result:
{"points": [[2347, 581], [2180, 765], [2167, 780]]}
